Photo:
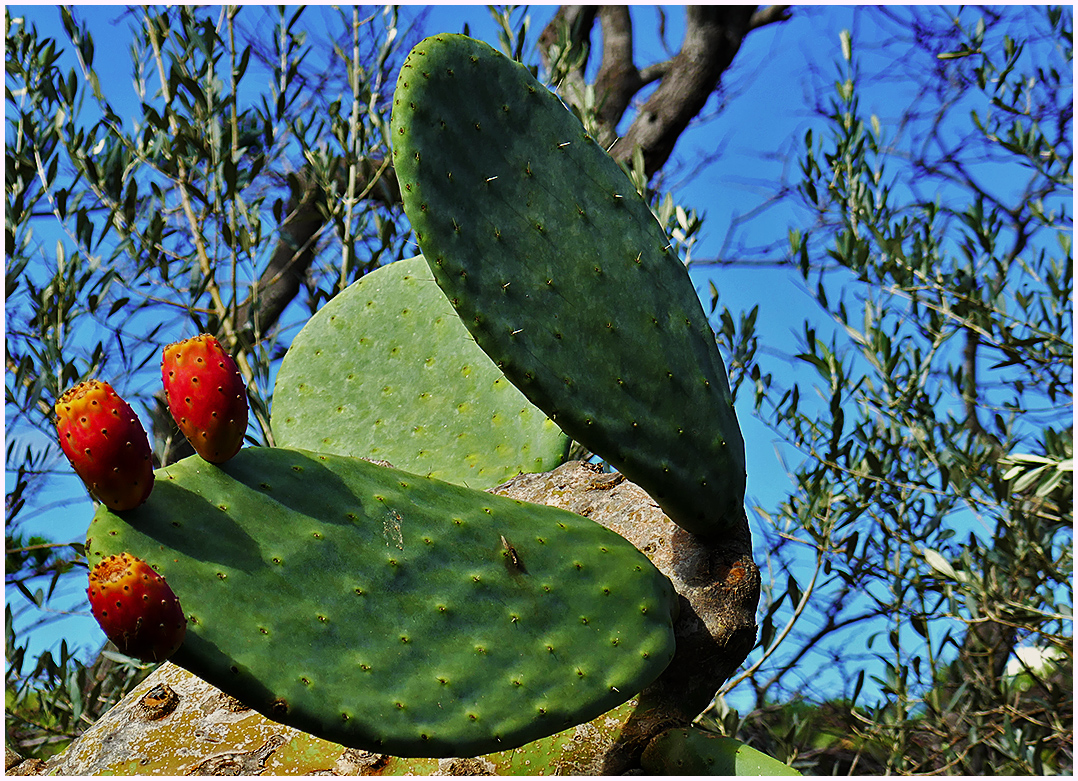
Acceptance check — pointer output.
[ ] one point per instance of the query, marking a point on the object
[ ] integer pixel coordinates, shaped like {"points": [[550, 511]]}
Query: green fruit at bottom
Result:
{"points": [[693, 752]]}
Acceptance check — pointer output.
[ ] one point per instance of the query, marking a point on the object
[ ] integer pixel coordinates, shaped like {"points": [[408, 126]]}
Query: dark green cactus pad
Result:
{"points": [[387, 371], [392, 612], [693, 752], [564, 277]]}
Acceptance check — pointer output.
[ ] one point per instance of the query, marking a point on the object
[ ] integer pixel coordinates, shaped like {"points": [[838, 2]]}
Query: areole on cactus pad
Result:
{"points": [[564, 277]]}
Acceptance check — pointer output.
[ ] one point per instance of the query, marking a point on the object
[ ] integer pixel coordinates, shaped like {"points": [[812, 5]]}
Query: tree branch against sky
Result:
{"points": [[938, 249]]}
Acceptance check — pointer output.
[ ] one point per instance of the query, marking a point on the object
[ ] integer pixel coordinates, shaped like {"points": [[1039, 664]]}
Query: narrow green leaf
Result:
{"points": [[940, 564]]}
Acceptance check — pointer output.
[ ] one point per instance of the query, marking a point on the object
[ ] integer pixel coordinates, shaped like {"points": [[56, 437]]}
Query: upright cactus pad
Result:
{"points": [[564, 277], [392, 612], [387, 371]]}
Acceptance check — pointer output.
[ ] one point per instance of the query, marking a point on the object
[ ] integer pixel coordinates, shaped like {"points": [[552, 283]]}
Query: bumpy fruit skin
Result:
{"points": [[206, 396], [105, 443], [136, 608]]}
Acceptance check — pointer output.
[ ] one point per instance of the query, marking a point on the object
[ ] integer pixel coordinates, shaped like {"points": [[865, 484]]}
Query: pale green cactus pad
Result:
{"points": [[693, 752], [387, 371]]}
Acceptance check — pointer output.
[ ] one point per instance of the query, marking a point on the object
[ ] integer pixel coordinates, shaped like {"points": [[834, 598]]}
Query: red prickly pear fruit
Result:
{"points": [[136, 608], [206, 396], [105, 443]]}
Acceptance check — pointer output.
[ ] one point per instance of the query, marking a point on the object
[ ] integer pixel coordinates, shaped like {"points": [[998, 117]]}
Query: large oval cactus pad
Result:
{"points": [[393, 612], [387, 371], [564, 277]]}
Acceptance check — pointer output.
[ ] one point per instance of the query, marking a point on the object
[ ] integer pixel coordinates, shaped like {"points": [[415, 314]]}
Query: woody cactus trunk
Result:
{"points": [[355, 583]]}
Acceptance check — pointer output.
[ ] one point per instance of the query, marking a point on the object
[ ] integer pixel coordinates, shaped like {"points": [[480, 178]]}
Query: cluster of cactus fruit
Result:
{"points": [[397, 608], [109, 450], [108, 447]]}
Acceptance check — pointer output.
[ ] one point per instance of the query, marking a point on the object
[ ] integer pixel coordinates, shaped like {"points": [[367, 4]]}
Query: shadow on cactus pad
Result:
{"points": [[392, 612]]}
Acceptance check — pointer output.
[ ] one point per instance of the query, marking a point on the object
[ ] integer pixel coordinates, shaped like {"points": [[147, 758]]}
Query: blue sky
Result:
{"points": [[765, 112]]}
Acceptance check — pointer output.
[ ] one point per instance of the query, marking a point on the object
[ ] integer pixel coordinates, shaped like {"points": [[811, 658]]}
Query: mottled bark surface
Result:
{"points": [[174, 723]]}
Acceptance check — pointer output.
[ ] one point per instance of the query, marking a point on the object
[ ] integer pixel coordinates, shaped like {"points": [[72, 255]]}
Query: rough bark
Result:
{"points": [[713, 36]]}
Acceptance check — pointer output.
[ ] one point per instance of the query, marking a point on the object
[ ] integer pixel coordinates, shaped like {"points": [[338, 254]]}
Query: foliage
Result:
{"points": [[48, 706], [931, 396], [927, 534]]}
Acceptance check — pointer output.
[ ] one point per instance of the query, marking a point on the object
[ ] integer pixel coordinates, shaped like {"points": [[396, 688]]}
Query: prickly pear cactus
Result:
{"points": [[387, 371], [564, 277], [693, 752], [392, 612]]}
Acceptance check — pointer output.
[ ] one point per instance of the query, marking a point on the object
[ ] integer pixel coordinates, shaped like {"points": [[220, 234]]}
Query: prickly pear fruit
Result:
{"points": [[105, 443], [136, 608], [206, 396]]}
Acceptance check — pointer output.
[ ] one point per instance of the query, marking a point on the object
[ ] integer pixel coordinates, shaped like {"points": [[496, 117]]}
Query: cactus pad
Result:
{"points": [[392, 612], [387, 371], [564, 277], [693, 752]]}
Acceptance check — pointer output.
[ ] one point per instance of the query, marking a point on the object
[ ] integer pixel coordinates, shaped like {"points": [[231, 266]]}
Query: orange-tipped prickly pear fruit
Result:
{"points": [[105, 443]]}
